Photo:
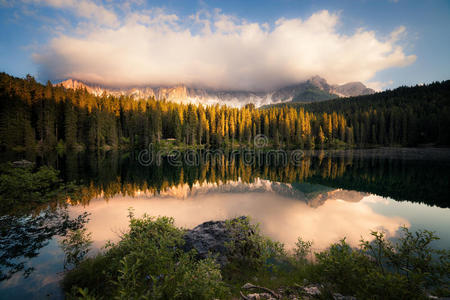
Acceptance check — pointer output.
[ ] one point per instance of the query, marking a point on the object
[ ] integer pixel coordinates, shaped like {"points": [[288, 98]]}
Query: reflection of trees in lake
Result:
{"points": [[119, 173], [108, 175], [21, 238]]}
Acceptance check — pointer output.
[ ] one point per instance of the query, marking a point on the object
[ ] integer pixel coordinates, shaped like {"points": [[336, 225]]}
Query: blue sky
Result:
{"points": [[245, 45]]}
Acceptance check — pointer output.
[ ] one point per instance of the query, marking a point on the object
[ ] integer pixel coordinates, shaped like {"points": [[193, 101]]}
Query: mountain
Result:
{"points": [[353, 89], [312, 90]]}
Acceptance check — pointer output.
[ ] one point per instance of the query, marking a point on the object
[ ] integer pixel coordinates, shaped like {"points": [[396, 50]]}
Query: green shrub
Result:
{"points": [[75, 245], [412, 258], [93, 274], [251, 256], [25, 186], [381, 269], [301, 250], [343, 267], [248, 249], [148, 263]]}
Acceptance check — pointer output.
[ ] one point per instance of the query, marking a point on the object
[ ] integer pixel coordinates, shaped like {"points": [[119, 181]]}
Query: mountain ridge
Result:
{"points": [[312, 90]]}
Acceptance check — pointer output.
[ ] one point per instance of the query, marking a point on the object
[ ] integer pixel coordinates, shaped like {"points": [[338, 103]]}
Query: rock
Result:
{"points": [[183, 93], [248, 286], [209, 237], [312, 290], [254, 296], [429, 296], [337, 296], [267, 294], [259, 296]]}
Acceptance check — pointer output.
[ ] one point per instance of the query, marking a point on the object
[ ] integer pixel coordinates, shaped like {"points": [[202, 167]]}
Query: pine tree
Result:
{"points": [[321, 136], [70, 125]]}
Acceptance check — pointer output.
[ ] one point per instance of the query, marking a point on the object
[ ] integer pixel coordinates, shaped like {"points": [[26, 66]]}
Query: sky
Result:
{"points": [[227, 45]]}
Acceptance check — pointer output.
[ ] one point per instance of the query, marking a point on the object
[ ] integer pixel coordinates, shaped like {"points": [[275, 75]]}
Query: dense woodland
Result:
{"points": [[46, 117]]}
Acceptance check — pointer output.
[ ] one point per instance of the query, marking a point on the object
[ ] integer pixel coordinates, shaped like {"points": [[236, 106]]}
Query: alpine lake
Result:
{"points": [[323, 197]]}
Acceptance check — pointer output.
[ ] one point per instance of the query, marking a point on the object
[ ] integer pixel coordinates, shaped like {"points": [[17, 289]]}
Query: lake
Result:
{"points": [[323, 197]]}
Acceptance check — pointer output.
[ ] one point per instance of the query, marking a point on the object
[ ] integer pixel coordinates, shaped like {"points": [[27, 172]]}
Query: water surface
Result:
{"points": [[327, 196]]}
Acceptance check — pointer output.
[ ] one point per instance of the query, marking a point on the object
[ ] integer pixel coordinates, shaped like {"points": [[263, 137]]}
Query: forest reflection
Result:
{"points": [[107, 175], [323, 189]]}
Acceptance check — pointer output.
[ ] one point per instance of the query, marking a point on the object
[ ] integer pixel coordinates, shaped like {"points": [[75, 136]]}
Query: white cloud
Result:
{"points": [[379, 85], [214, 50]]}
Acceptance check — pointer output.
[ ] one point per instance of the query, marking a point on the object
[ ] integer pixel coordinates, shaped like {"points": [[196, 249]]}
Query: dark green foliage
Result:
{"points": [[34, 116], [302, 249], [405, 116], [147, 263], [342, 267], [76, 245], [382, 269], [248, 249], [27, 187]]}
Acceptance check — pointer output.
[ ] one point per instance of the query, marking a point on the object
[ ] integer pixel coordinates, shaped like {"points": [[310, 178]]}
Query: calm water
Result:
{"points": [[323, 198]]}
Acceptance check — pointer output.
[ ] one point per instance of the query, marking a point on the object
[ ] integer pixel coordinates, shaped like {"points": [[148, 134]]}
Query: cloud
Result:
{"points": [[214, 50], [379, 85]]}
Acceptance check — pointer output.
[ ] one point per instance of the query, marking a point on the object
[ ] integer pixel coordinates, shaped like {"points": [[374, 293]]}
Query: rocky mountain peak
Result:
{"points": [[353, 89], [319, 82], [314, 89]]}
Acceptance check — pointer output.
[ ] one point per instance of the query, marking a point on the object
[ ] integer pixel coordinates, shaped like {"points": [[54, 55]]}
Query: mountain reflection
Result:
{"points": [[313, 195], [397, 174], [284, 211]]}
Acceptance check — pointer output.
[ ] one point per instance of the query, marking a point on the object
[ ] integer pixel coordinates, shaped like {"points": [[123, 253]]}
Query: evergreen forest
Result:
{"points": [[47, 117]]}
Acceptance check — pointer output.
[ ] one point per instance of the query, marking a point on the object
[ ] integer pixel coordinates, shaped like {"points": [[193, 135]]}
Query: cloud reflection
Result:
{"points": [[282, 217]]}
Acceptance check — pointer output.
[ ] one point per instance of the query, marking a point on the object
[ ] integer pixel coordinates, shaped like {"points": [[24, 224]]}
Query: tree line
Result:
{"points": [[46, 117]]}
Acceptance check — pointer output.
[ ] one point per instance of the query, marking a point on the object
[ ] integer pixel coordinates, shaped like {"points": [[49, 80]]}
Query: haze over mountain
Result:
{"points": [[312, 90]]}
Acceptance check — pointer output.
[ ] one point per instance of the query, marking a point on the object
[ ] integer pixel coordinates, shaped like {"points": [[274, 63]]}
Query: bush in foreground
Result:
{"points": [[381, 269], [149, 263]]}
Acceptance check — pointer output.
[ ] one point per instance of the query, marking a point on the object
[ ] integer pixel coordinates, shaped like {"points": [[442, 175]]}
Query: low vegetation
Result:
{"points": [[24, 187], [149, 263]]}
